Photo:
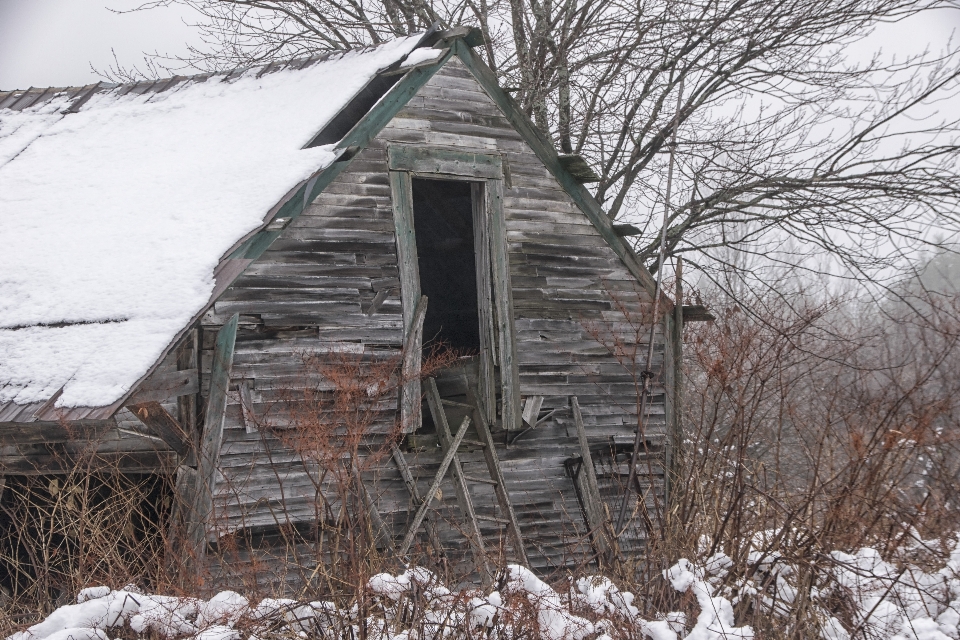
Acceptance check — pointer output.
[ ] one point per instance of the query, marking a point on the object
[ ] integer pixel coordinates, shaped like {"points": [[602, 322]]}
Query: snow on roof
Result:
{"points": [[114, 217]]}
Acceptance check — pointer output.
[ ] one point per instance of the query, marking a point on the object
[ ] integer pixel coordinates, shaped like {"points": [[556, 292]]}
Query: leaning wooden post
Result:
{"points": [[592, 505], [410, 417], [208, 458]]}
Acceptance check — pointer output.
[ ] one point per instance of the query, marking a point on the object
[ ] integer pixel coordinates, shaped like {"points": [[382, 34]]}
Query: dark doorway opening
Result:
{"points": [[443, 224]]}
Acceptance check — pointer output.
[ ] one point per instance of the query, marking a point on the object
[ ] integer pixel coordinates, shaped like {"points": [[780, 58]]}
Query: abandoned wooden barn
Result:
{"points": [[176, 258]]}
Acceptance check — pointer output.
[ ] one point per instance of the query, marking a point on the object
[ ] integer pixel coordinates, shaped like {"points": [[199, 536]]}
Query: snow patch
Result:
{"points": [[116, 216]]}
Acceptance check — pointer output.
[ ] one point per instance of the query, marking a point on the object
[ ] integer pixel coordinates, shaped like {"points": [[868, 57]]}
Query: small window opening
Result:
{"points": [[443, 224]]}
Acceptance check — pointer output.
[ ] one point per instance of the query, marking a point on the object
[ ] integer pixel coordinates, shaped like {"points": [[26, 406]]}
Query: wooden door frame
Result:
{"points": [[485, 172]]}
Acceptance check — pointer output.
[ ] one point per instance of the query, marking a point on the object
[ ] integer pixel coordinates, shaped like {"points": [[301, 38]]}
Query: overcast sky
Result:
{"points": [[55, 42]]}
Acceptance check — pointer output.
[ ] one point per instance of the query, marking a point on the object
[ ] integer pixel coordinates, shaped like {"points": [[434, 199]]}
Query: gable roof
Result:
{"points": [[124, 241], [116, 215]]}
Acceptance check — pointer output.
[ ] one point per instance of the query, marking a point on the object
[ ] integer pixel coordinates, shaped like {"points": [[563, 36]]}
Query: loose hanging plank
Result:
{"points": [[209, 457], [161, 423], [592, 504], [531, 410], [432, 493], [496, 474], [410, 417], [411, 483]]}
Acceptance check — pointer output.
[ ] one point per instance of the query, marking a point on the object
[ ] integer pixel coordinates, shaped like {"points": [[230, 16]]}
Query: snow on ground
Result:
{"points": [[888, 604], [115, 217], [891, 604]]}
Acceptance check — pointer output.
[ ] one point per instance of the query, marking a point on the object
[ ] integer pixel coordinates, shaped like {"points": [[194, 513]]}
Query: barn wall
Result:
{"points": [[307, 295]]}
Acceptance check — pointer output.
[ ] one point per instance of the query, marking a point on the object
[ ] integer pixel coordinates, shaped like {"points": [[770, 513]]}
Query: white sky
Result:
{"points": [[53, 42]]}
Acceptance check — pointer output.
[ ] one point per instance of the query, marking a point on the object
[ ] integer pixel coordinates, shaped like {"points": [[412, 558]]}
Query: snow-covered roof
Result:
{"points": [[115, 215]]}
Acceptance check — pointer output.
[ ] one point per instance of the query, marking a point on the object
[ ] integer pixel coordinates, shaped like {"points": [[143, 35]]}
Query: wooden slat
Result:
{"points": [[418, 159], [247, 411], [500, 489], [161, 423], [401, 461]]}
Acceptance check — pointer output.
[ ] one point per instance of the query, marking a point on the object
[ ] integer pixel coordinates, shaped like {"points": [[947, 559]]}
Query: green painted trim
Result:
{"points": [[549, 157]]}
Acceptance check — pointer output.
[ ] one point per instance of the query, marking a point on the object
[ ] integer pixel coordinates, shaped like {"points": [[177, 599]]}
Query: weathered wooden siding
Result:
{"points": [[121, 443], [309, 292]]}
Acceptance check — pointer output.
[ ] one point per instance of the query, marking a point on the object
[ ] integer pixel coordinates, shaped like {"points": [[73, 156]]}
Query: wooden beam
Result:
{"points": [[401, 197], [500, 485], [212, 437], [162, 424], [481, 561], [187, 359], [592, 504], [168, 385], [379, 529], [432, 493], [485, 305], [419, 159], [410, 416]]}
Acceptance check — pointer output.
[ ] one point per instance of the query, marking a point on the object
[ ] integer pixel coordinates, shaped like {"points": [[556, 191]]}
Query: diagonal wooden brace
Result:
{"points": [[431, 494]]}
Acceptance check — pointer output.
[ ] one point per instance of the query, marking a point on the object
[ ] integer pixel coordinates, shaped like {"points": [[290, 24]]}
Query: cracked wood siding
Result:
{"points": [[310, 292]]}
